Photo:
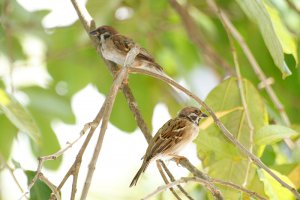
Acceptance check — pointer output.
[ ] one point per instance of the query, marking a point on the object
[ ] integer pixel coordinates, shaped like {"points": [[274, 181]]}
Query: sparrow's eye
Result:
{"points": [[106, 35], [193, 116]]}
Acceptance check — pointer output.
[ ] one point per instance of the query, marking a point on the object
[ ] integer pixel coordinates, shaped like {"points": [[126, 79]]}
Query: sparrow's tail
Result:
{"points": [[138, 174]]}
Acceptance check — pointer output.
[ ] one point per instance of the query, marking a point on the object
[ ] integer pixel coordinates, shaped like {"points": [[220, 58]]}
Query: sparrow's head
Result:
{"points": [[192, 113], [103, 31]]}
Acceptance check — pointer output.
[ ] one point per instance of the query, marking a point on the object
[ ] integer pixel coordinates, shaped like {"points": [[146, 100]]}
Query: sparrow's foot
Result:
{"points": [[130, 57], [178, 158]]}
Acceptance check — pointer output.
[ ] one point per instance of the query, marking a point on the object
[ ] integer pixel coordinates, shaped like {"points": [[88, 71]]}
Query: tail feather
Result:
{"points": [[138, 174]]}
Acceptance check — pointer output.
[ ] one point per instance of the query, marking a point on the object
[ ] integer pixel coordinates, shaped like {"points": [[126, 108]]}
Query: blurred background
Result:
{"points": [[52, 82]]}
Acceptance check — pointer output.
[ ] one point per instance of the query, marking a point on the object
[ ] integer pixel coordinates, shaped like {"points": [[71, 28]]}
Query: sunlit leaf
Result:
{"points": [[273, 133], [19, 115], [273, 188], [294, 176], [222, 159], [277, 38]]}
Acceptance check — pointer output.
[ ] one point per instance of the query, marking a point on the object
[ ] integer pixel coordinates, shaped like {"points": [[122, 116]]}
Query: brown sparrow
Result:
{"points": [[115, 48], [173, 136]]}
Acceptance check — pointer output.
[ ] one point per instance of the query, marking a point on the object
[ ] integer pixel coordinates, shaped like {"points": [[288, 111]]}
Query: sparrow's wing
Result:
{"points": [[167, 136], [125, 44]]}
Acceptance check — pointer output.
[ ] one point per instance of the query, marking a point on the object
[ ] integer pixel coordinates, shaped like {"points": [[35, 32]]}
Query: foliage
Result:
{"points": [[269, 27]]}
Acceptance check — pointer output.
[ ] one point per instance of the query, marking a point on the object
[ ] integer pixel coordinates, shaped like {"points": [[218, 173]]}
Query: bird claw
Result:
{"points": [[177, 159]]}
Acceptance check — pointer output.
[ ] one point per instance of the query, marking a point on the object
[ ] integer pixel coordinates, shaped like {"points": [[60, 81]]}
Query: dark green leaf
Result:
{"points": [[8, 133], [39, 190]]}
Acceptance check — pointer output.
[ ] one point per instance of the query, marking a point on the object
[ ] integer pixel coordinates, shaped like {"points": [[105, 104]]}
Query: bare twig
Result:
{"points": [[55, 194], [173, 179], [136, 112], [197, 173], [243, 98], [49, 157], [183, 180], [108, 108], [293, 6], [221, 126], [203, 182], [196, 36], [234, 186], [74, 169], [161, 171], [11, 171]]}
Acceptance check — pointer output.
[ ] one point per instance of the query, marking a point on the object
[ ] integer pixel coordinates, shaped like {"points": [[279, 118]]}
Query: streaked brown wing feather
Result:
{"points": [[166, 137], [125, 44]]}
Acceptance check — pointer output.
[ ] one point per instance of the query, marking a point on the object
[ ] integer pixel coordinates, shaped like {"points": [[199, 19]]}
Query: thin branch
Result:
{"points": [[136, 112], [49, 157], [203, 182], [196, 36], [221, 126], [108, 108], [197, 173], [173, 179], [55, 194], [11, 171], [234, 186], [243, 98], [182, 180], [160, 169], [293, 6], [190, 167]]}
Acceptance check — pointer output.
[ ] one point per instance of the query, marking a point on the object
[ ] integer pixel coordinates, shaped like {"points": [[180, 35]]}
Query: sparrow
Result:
{"points": [[115, 47], [172, 137]]}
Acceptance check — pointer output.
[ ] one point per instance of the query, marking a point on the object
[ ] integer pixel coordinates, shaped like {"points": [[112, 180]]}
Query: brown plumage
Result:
{"points": [[173, 136], [114, 47]]}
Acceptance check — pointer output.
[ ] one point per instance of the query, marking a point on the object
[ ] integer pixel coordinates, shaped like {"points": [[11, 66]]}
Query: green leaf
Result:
{"points": [[19, 116], [276, 36], [286, 39], [39, 190], [273, 189], [8, 133], [271, 134], [222, 159]]}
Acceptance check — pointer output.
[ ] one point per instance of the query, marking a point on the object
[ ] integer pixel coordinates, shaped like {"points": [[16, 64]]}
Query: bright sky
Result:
{"points": [[120, 157]]}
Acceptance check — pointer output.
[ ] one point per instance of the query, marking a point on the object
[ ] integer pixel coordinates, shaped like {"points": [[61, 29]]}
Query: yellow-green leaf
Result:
{"points": [[19, 115], [222, 159], [276, 36], [273, 188], [273, 133]]}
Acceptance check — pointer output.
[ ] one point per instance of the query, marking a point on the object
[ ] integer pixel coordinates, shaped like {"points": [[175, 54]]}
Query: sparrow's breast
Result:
{"points": [[190, 133], [111, 53]]}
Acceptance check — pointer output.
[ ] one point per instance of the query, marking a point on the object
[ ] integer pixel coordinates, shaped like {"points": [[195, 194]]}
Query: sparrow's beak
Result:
{"points": [[203, 115], [94, 33]]}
